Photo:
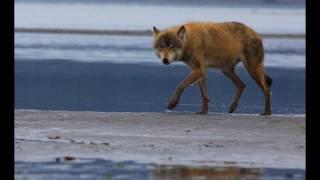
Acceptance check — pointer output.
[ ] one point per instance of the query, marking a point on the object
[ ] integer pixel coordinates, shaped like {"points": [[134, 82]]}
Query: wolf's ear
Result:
{"points": [[181, 33], [155, 31]]}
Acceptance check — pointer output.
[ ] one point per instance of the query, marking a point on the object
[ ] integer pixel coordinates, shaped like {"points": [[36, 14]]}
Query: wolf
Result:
{"points": [[222, 45]]}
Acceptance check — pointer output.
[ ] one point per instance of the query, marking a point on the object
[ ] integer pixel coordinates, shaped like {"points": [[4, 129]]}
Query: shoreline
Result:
{"points": [[130, 32], [160, 138], [170, 112]]}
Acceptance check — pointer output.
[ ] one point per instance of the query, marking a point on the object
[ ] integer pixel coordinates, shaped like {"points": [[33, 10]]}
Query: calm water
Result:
{"points": [[129, 170], [121, 73], [281, 52]]}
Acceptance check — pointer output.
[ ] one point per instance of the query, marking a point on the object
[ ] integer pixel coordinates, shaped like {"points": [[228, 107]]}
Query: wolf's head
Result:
{"points": [[168, 45]]}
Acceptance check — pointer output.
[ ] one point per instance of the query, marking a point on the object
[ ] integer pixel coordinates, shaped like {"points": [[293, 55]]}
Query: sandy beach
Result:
{"points": [[162, 138]]}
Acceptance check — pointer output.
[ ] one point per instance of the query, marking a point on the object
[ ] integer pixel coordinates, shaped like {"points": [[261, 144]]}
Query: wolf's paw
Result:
{"points": [[202, 112], [172, 104], [232, 108], [268, 113], [204, 109]]}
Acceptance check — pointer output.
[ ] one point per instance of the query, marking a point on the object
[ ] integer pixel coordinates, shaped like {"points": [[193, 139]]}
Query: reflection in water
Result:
{"points": [[129, 170], [205, 173]]}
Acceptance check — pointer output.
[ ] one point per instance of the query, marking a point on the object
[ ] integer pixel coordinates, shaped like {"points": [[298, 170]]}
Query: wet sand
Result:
{"points": [[215, 139]]}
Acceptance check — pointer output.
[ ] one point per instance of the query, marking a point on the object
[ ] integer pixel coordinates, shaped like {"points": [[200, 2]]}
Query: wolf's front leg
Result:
{"points": [[193, 77], [204, 95]]}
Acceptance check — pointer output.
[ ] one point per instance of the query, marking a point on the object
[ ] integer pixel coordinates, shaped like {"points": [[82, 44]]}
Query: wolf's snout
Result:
{"points": [[165, 61]]}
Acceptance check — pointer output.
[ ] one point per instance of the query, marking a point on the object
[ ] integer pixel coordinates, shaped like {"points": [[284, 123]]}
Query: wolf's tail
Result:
{"points": [[268, 80]]}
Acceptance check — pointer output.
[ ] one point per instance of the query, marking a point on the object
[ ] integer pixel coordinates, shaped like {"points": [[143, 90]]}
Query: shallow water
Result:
{"points": [[110, 87], [121, 73], [129, 170]]}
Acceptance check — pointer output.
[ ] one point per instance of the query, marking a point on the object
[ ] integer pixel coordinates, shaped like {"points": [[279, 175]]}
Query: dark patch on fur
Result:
{"points": [[268, 80], [254, 49], [239, 27], [257, 47], [168, 41], [238, 23]]}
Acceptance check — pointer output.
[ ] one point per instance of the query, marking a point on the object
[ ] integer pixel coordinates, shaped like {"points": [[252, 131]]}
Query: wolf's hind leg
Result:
{"points": [[258, 75], [254, 58], [230, 73]]}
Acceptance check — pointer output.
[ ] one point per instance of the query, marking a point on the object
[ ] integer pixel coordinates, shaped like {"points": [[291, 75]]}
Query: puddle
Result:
{"points": [[129, 170]]}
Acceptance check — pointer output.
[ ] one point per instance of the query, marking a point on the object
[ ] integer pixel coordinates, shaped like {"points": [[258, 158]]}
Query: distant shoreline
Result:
{"points": [[129, 32]]}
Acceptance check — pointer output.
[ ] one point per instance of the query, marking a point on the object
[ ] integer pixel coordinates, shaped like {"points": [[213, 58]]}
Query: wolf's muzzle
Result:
{"points": [[165, 61]]}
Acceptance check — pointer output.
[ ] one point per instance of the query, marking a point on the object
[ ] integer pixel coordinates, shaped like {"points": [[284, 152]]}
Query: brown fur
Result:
{"points": [[222, 46]]}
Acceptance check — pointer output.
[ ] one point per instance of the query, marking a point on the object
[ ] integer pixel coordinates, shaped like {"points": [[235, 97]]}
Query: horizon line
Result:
{"points": [[130, 32]]}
